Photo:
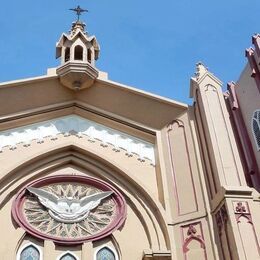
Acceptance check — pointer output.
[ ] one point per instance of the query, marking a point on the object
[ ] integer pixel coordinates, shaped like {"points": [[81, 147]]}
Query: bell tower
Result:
{"points": [[78, 53]]}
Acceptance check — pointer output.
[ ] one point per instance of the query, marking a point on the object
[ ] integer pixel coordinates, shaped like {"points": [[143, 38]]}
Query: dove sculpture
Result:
{"points": [[68, 210]]}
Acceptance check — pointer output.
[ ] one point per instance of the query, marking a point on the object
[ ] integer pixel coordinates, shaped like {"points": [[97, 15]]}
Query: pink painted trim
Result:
{"points": [[187, 238], [250, 54], [244, 143], [246, 214], [170, 128], [256, 42], [117, 197], [233, 96]]}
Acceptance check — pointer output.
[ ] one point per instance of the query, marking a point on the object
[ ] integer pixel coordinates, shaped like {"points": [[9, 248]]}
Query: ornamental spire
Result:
{"points": [[200, 70]]}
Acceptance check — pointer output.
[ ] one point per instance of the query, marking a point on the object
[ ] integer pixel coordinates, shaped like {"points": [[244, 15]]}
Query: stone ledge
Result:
{"points": [[231, 192], [157, 255]]}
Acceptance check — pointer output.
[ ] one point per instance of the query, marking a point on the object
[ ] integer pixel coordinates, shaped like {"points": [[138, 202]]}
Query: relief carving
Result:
{"points": [[222, 220], [193, 242], [246, 230]]}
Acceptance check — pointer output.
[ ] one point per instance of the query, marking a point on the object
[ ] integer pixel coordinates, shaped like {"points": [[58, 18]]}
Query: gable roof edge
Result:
{"points": [[145, 93], [27, 80]]}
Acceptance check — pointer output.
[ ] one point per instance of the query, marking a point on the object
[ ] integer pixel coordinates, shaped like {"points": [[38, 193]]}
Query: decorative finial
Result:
{"points": [[78, 10], [200, 70]]}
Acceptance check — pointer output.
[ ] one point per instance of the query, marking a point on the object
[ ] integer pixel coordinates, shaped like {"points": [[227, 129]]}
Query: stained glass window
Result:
{"points": [[68, 256], [30, 253], [256, 127], [105, 254]]}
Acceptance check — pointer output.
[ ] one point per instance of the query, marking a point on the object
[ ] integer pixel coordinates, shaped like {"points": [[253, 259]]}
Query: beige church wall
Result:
{"points": [[246, 89], [193, 240], [137, 107], [218, 132], [25, 165], [223, 171], [176, 166], [247, 227], [221, 158], [144, 172], [135, 130], [181, 170], [26, 240], [81, 109], [12, 236], [238, 228], [129, 248], [145, 216], [32, 95], [149, 173], [55, 251], [35, 116], [108, 98]]}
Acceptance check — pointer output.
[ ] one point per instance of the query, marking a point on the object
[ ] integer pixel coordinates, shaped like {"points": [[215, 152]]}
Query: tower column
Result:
{"points": [[232, 203]]}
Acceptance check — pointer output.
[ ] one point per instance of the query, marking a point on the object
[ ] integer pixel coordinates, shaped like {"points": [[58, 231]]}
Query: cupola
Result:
{"points": [[78, 53]]}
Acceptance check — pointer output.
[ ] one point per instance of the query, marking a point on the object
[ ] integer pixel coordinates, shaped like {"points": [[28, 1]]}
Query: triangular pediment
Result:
{"points": [[108, 98]]}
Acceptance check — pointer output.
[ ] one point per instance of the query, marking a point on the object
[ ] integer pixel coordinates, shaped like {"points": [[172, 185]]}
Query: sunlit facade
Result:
{"points": [[94, 169]]}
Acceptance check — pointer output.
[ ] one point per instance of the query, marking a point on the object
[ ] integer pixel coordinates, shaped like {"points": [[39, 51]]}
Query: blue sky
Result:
{"points": [[151, 45]]}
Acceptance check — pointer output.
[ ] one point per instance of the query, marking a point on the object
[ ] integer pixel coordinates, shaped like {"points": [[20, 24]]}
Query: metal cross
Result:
{"points": [[78, 11]]}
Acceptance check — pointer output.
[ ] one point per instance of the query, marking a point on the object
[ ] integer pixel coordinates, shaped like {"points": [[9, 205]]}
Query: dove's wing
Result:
{"points": [[47, 199], [90, 202]]}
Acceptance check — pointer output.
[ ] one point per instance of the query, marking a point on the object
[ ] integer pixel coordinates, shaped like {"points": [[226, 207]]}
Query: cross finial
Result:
{"points": [[78, 10]]}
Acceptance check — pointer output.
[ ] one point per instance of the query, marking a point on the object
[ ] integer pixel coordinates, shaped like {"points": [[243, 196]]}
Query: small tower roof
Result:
{"points": [[77, 31], [73, 36]]}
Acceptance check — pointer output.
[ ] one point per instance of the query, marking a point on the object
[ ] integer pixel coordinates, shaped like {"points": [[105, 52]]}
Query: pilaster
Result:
{"points": [[87, 251], [49, 249]]}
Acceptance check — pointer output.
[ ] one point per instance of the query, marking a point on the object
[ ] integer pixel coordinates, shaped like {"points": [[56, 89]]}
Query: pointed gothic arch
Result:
{"points": [[78, 52], [67, 54], [139, 200], [29, 251], [68, 255], [256, 128], [106, 251]]}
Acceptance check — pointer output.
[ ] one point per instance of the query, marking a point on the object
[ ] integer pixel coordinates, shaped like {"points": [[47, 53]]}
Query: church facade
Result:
{"points": [[94, 169]]}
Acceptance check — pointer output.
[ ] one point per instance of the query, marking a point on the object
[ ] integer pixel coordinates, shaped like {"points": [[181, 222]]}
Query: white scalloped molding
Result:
{"points": [[81, 127]]}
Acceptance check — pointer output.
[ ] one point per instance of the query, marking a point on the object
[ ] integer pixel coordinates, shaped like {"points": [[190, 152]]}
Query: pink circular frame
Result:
{"points": [[116, 196]]}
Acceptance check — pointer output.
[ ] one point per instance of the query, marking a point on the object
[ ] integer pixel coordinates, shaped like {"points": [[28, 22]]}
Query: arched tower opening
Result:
{"points": [[78, 53], [67, 54]]}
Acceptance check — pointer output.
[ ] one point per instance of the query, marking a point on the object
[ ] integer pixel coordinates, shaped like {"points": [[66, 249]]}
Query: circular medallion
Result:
{"points": [[69, 209]]}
